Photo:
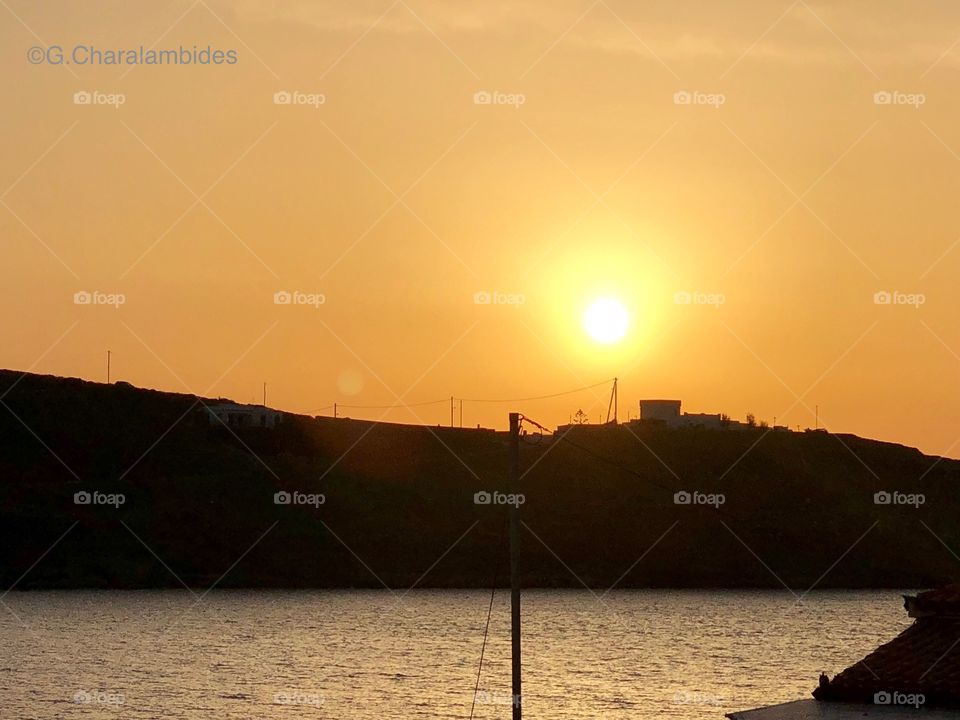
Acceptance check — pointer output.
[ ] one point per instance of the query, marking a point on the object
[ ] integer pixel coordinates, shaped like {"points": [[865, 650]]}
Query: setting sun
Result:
{"points": [[606, 320], [395, 320]]}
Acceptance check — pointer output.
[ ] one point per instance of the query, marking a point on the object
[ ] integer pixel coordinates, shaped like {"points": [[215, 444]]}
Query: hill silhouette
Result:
{"points": [[398, 502]]}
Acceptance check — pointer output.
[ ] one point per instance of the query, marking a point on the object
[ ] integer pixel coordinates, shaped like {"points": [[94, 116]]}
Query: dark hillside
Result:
{"points": [[399, 502]]}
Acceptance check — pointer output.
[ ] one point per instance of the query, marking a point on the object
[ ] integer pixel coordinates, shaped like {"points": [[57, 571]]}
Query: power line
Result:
{"points": [[400, 406], [387, 407], [542, 397]]}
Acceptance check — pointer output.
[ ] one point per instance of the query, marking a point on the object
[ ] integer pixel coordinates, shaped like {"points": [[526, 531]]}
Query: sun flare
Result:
{"points": [[606, 320]]}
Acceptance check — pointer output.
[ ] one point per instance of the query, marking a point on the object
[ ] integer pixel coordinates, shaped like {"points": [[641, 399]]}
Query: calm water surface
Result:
{"points": [[366, 655]]}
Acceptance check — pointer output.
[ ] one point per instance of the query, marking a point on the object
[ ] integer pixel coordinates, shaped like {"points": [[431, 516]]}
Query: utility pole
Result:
{"points": [[614, 403], [517, 695], [334, 409], [108, 367]]}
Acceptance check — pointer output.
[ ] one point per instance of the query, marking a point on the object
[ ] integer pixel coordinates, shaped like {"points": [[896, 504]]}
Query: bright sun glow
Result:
{"points": [[606, 320]]}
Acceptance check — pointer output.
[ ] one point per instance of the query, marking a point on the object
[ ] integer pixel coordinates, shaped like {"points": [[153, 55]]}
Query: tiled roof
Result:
{"points": [[945, 601], [924, 659], [813, 710]]}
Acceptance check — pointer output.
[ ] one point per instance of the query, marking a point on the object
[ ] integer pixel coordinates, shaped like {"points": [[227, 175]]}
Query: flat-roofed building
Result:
{"points": [[242, 416], [666, 411]]}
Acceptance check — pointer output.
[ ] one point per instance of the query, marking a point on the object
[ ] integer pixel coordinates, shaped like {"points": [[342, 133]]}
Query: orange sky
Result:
{"points": [[785, 188]]}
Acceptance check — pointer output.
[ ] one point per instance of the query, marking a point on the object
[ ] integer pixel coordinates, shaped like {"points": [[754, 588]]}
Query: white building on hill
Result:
{"points": [[243, 416], [668, 412]]}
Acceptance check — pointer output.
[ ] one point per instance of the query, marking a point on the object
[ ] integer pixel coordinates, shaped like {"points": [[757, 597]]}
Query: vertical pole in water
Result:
{"points": [[517, 695]]}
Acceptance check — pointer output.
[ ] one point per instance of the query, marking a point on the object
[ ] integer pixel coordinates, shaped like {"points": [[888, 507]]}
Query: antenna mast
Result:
{"points": [[613, 402]]}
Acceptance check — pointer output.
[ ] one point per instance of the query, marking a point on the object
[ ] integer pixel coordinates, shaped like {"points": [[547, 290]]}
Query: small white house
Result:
{"points": [[243, 416], [711, 421], [666, 411]]}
